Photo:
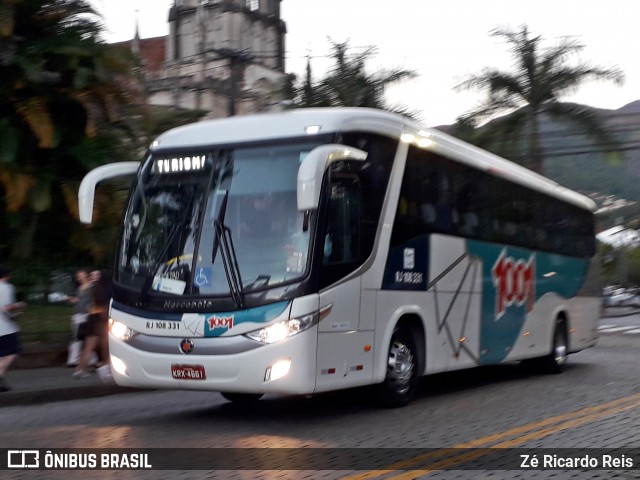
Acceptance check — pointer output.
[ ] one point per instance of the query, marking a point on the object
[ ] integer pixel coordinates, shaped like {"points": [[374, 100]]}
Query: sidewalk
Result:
{"points": [[31, 386], [39, 375]]}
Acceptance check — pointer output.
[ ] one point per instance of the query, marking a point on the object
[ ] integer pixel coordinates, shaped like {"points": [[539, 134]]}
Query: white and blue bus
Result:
{"points": [[313, 250]]}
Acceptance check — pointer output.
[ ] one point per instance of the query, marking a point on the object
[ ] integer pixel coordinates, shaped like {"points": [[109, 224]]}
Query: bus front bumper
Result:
{"points": [[285, 367]]}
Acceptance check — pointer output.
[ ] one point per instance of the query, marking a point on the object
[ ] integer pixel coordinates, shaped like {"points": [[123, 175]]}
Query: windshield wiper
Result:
{"points": [[229, 259], [140, 191], [177, 228]]}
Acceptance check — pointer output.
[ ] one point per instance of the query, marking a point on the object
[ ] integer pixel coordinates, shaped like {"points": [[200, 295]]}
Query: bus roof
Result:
{"points": [[307, 121]]}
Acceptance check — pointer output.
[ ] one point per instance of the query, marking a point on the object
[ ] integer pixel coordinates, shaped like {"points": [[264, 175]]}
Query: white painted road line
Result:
{"points": [[615, 329]]}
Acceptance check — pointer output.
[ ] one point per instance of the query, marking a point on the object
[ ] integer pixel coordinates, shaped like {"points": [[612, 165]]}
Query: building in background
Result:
{"points": [[222, 56], [620, 236]]}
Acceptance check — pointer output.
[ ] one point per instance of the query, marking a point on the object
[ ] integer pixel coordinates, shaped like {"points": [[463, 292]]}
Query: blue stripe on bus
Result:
{"points": [[502, 317], [552, 273], [407, 265], [218, 323]]}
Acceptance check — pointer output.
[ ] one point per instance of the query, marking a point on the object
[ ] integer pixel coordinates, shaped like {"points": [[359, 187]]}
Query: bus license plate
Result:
{"points": [[188, 372]]}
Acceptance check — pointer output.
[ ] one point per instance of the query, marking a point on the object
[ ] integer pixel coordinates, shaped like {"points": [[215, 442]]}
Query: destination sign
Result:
{"points": [[193, 163]]}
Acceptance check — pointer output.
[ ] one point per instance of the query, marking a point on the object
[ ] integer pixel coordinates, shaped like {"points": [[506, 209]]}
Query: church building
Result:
{"points": [[222, 56]]}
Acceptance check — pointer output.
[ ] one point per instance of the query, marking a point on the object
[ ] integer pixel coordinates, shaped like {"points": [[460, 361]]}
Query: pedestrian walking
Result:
{"points": [[79, 320], [9, 339], [96, 340], [94, 276]]}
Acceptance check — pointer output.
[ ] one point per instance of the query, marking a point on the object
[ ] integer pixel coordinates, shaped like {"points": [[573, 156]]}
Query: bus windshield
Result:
{"points": [[215, 223]]}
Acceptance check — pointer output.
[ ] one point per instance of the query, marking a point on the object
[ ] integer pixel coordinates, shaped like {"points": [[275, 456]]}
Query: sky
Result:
{"points": [[442, 41]]}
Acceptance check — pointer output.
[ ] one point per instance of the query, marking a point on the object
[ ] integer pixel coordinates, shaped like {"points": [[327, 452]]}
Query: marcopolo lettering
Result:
{"points": [[188, 304]]}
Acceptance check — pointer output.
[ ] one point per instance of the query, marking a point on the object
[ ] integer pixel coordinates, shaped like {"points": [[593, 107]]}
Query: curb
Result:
{"points": [[614, 312], [37, 397], [40, 359]]}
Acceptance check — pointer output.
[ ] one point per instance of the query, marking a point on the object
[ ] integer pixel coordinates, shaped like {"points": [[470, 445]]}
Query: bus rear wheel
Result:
{"points": [[402, 371], [556, 359], [241, 397]]}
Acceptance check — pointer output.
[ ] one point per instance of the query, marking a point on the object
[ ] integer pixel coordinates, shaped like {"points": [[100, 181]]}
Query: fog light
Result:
{"points": [[277, 370], [118, 365]]}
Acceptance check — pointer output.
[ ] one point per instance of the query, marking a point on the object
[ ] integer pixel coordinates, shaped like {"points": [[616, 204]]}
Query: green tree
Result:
{"points": [[142, 126], [541, 77], [62, 90], [348, 84], [633, 267]]}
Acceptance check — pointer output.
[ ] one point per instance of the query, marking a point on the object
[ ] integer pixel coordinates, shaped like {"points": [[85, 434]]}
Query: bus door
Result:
{"points": [[343, 359]]}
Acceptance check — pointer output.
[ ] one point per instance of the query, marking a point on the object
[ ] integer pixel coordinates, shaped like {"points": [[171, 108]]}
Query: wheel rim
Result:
{"points": [[400, 370], [560, 348]]}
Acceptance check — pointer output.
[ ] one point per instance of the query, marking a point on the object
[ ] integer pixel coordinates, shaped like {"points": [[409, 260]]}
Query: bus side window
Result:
{"points": [[342, 239], [342, 236]]}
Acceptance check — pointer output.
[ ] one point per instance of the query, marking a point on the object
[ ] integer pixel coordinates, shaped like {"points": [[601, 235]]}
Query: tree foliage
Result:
{"points": [[347, 84], [540, 78], [62, 91]]}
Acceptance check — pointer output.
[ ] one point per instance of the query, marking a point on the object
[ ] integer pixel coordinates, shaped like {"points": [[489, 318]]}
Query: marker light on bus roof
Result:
{"points": [[421, 139], [312, 129], [424, 142]]}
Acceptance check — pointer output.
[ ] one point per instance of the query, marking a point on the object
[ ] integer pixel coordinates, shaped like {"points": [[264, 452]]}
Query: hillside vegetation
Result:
{"points": [[576, 161]]}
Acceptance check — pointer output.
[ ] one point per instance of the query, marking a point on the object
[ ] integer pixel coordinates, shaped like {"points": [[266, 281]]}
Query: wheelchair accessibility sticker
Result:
{"points": [[203, 277]]}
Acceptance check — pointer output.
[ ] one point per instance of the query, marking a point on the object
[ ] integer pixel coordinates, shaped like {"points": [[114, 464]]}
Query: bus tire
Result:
{"points": [[402, 370], [242, 398], [556, 359]]}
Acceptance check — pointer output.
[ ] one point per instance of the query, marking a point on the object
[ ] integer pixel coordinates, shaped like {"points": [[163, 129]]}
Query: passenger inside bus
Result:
{"points": [[264, 215]]}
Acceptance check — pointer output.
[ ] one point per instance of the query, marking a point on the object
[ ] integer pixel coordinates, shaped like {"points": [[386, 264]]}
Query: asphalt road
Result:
{"points": [[592, 407]]}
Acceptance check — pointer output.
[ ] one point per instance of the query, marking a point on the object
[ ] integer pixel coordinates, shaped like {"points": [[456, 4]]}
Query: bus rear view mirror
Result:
{"points": [[87, 189], [312, 170]]}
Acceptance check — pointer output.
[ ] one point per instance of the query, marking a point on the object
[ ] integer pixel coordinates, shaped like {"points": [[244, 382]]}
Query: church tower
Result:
{"points": [[223, 56]]}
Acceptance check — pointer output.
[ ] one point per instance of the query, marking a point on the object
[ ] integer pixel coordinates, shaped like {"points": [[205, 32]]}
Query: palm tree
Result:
{"points": [[60, 94], [347, 84], [541, 78]]}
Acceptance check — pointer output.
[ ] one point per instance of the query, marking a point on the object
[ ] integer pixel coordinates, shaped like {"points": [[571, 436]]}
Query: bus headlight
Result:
{"points": [[120, 330], [287, 328]]}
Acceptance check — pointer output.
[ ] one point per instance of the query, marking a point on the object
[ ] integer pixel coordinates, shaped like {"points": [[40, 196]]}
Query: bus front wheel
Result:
{"points": [[402, 370]]}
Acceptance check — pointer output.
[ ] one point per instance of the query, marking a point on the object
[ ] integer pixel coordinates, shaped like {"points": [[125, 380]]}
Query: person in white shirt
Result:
{"points": [[9, 341]]}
